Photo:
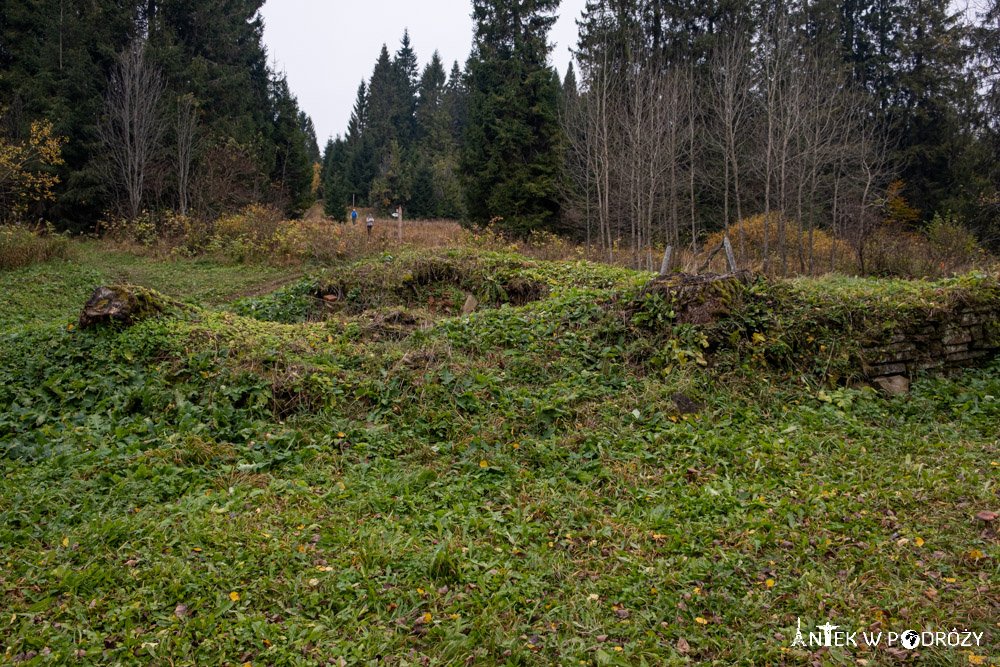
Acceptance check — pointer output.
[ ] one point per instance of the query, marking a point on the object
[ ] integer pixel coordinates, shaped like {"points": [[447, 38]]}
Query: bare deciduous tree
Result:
{"points": [[732, 83], [131, 126], [187, 120], [773, 126]]}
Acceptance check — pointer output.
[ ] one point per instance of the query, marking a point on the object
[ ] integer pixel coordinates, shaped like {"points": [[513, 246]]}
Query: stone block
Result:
{"points": [[927, 365], [889, 369], [968, 319], [956, 337], [966, 356], [892, 385]]}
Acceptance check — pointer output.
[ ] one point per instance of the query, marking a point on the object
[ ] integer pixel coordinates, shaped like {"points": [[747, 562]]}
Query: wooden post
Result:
{"points": [[665, 266], [730, 258], [729, 254], [399, 215]]}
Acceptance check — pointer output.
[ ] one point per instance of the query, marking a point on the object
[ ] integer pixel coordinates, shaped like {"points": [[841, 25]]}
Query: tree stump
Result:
{"points": [[701, 299], [124, 304]]}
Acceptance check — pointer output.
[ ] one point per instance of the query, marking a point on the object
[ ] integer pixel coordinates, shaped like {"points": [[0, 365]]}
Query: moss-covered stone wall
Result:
{"points": [[952, 339]]}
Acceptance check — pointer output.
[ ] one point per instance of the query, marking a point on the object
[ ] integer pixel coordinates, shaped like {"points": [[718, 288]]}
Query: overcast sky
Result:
{"points": [[327, 46]]}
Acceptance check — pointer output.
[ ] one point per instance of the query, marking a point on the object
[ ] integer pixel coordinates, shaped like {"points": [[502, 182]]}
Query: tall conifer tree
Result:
{"points": [[512, 158]]}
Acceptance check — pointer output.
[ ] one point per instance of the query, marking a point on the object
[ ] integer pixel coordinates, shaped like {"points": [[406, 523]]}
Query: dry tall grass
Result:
{"points": [[259, 234], [22, 247]]}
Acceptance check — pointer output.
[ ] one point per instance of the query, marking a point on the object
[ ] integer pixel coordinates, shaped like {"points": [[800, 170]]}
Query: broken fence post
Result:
{"points": [[665, 266], [730, 257]]}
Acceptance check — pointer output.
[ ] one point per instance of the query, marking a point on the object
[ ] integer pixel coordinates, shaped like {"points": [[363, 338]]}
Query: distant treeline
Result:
{"points": [[681, 120], [841, 116], [165, 104], [403, 140], [686, 118]]}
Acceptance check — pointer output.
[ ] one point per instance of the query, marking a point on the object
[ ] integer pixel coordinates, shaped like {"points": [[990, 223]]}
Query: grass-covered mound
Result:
{"points": [[435, 282], [516, 486]]}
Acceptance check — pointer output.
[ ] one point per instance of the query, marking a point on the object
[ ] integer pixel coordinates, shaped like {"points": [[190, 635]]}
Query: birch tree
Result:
{"points": [[131, 126]]}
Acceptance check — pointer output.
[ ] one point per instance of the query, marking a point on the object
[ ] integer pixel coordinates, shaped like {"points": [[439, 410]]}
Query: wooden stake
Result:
{"points": [[730, 257], [665, 266]]}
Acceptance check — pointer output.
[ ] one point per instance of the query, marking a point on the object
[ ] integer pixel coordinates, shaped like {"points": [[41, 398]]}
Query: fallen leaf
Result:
{"points": [[683, 647], [234, 596], [181, 610], [701, 621], [898, 653]]}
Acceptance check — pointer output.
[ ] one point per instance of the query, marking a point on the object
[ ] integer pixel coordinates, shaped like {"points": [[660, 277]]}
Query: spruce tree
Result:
{"points": [[423, 202], [308, 130], [456, 102], [361, 165], [933, 92], [53, 67], [433, 123], [513, 158], [570, 89], [292, 170], [327, 155], [335, 185], [406, 64]]}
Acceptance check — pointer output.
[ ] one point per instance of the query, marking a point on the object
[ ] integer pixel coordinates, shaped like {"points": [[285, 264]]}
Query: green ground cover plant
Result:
{"points": [[266, 482]]}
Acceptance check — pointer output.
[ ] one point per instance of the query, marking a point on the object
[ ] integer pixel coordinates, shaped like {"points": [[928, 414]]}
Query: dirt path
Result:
{"points": [[266, 288]]}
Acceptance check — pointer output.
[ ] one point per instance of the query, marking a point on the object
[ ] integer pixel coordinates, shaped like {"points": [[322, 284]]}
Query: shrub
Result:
{"points": [[23, 247], [141, 230], [945, 248], [256, 223], [823, 245], [953, 245], [25, 174]]}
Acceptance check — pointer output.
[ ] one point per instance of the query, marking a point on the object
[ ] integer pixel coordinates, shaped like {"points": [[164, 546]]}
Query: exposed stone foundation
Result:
{"points": [[966, 336]]}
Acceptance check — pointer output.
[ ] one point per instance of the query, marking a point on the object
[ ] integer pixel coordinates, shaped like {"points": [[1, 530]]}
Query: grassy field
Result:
{"points": [[55, 291], [566, 476]]}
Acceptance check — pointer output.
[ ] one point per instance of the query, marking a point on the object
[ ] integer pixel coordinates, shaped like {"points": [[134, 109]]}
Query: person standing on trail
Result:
{"points": [[354, 216], [369, 223]]}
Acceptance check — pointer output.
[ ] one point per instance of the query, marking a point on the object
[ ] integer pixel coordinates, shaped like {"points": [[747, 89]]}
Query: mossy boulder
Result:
{"points": [[124, 304]]}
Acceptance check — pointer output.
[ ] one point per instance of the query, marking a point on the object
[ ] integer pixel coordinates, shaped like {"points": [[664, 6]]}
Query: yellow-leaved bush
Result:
{"points": [[25, 175], [824, 248]]}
